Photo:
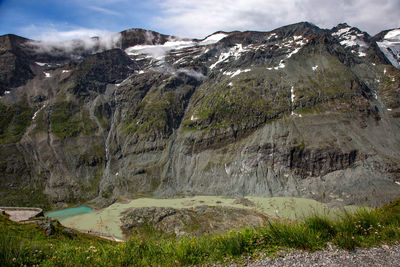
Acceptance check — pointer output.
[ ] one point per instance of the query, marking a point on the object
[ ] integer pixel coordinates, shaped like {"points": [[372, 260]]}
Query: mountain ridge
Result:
{"points": [[296, 111]]}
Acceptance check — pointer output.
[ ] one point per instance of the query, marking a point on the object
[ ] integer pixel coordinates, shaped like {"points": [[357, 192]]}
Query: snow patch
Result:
{"points": [[235, 52], [7, 92], [315, 68], [47, 74], [294, 52], [353, 41], [272, 36], [237, 72], [230, 84], [292, 95], [341, 31], [390, 46], [397, 183], [227, 169], [41, 64], [158, 51], [193, 118], [389, 109], [350, 37], [384, 71], [362, 54], [394, 34], [391, 49], [280, 66], [212, 39], [34, 115], [65, 71]]}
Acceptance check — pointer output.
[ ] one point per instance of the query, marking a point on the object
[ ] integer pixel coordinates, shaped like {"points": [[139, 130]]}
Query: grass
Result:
{"points": [[27, 244], [68, 120], [14, 119]]}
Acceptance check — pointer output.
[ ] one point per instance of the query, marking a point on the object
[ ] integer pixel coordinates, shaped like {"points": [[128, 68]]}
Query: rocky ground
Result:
{"points": [[191, 221], [383, 255]]}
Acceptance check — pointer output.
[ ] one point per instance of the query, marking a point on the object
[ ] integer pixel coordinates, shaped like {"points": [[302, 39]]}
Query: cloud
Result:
{"points": [[75, 41], [192, 18], [52, 33], [190, 72], [103, 10]]}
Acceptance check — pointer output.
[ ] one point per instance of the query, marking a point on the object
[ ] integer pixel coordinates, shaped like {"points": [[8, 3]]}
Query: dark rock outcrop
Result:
{"points": [[192, 221]]}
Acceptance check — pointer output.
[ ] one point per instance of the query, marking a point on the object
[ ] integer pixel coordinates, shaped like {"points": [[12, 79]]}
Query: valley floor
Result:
{"points": [[108, 220]]}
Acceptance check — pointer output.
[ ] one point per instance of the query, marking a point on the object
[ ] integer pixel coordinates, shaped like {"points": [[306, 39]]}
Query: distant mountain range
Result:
{"points": [[298, 111]]}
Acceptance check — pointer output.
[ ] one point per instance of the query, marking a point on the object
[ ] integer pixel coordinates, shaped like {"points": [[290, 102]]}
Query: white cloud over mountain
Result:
{"points": [[194, 18]]}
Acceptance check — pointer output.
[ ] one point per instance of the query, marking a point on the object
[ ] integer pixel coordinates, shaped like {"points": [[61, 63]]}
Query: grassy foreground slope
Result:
{"points": [[28, 243]]}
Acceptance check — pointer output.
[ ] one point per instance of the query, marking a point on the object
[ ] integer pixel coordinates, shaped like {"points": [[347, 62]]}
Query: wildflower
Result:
{"points": [[14, 259], [352, 238]]}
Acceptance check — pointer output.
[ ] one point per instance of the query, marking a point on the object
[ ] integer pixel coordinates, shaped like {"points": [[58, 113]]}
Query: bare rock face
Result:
{"points": [[297, 111], [192, 221]]}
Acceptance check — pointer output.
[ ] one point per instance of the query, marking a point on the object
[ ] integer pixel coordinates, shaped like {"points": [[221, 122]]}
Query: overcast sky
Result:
{"points": [[67, 19]]}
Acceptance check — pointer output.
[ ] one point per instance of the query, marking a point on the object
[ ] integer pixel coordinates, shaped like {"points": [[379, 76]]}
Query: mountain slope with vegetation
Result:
{"points": [[297, 111]]}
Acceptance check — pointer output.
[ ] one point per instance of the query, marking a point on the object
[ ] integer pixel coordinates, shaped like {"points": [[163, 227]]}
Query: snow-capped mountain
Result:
{"points": [[297, 111]]}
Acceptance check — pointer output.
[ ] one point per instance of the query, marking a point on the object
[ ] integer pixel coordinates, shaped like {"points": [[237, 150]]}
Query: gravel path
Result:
{"points": [[378, 256]]}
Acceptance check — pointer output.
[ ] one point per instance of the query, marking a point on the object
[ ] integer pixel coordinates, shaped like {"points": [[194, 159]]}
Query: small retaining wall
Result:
{"points": [[19, 214]]}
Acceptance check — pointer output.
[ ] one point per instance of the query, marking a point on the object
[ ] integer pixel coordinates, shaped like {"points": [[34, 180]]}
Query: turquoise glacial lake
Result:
{"points": [[66, 213]]}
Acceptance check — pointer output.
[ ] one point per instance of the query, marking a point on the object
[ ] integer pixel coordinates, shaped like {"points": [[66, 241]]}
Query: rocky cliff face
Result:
{"points": [[298, 111]]}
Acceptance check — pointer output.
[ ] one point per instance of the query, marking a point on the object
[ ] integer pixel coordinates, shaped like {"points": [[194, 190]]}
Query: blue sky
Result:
{"points": [[67, 19], [32, 18]]}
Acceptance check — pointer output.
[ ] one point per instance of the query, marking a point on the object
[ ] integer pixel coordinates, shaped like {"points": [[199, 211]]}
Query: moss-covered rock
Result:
{"points": [[14, 119], [68, 120]]}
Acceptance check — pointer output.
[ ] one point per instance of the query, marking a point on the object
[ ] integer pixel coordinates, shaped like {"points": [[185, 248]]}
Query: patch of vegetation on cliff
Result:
{"points": [[247, 101], [103, 113], [389, 89], [26, 196], [13, 121], [160, 111], [27, 243], [41, 122], [67, 119]]}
